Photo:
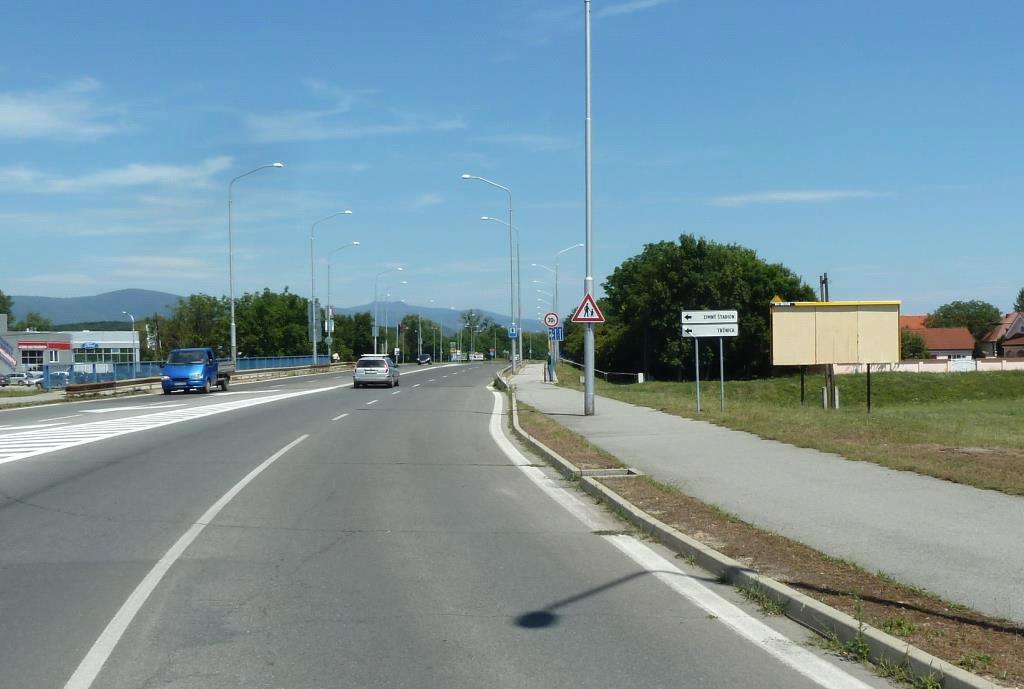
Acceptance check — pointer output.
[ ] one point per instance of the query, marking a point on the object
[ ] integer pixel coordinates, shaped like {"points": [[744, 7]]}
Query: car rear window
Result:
{"points": [[371, 363]]}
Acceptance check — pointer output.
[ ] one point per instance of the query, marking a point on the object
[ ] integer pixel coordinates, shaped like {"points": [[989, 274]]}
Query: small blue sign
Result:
{"points": [[88, 345], [556, 334], [512, 331]]}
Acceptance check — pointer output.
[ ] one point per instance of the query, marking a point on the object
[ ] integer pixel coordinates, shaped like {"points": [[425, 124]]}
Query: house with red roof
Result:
{"points": [[1011, 327], [941, 343], [1014, 347]]}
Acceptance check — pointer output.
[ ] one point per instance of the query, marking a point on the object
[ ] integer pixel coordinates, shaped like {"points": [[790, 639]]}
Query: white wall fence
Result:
{"points": [[937, 366]]}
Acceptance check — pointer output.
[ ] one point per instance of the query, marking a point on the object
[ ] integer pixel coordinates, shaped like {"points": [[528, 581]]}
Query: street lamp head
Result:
{"points": [[399, 268], [467, 177], [355, 243], [277, 165], [346, 212]]}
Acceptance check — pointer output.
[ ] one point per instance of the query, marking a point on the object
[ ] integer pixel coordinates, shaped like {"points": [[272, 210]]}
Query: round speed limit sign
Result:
{"points": [[551, 319]]}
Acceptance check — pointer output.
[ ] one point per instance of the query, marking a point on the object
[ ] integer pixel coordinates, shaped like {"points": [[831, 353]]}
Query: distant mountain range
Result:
{"points": [[101, 307], [142, 303]]}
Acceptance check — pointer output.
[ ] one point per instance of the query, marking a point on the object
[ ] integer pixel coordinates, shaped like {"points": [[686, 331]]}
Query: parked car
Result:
{"points": [[424, 358], [375, 369], [24, 380], [4, 380]]}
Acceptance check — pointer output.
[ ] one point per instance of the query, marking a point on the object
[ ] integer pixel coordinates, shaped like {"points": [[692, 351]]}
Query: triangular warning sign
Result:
{"points": [[587, 312]]}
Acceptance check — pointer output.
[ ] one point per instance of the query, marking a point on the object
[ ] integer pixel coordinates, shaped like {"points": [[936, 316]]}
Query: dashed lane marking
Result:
{"points": [[339, 417]]}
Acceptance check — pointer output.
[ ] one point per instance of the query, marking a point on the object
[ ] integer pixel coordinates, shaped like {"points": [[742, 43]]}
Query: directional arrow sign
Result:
{"points": [[711, 330], [699, 317]]}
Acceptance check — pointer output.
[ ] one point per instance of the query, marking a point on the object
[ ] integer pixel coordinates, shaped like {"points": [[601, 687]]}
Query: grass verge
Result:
{"points": [[963, 427], [988, 646]]}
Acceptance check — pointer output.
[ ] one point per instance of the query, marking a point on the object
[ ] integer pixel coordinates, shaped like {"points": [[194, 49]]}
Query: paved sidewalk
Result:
{"points": [[959, 542]]}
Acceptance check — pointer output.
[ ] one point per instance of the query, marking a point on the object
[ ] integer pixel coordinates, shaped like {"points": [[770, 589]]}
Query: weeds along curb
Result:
{"points": [[813, 614]]}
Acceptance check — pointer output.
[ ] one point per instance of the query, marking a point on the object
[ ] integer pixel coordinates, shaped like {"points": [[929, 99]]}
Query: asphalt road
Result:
{"points": [[303, 534]]}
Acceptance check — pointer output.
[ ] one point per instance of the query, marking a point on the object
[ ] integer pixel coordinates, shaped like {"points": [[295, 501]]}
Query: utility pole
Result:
{"points": [[830, 369]]}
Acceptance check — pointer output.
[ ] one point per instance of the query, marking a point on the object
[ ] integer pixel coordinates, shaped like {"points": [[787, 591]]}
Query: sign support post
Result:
{"points": [[721, 370], [696, 368]]}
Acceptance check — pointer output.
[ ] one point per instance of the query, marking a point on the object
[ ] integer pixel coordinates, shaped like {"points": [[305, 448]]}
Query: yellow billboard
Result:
{"points": [[805, 333]]}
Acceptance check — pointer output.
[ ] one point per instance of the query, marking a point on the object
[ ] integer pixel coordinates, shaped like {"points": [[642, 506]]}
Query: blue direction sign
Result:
{"points": [[556, 334]]}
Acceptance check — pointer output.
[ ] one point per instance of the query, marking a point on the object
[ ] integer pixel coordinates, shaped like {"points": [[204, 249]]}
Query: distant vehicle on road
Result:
{"points": [[4, 380], [375, 369], [424, 358], [196, 368]]}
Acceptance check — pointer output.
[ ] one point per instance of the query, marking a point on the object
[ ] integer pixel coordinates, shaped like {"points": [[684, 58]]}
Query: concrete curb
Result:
{"points": [[813, 614]]}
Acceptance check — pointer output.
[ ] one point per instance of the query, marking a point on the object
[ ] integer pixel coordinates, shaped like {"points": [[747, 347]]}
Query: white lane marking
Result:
{"points": [[444, 376], [783, 649], [109, 410], [240, 392], [340, 416], [775, 644], [93, 661], [59, 418], [417, 385], [25, 444], [396, 392], [372, 402], [432, 380], [29, 427]]}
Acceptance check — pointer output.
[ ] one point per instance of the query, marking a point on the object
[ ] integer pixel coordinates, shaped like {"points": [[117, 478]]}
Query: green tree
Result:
{"points": [[34, 321], [273, 324], [6, 304], [645, 294], [977, 316], [353, 335], [912, 345], [198, 321], [1018, 305]]}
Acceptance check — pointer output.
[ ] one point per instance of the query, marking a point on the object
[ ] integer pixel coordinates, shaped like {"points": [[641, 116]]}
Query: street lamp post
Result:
{"points": [[135, 350], [330, 311], [376, 306], [312, 282], [588, 280], [557, 347], [231, 260], [511, 268]]}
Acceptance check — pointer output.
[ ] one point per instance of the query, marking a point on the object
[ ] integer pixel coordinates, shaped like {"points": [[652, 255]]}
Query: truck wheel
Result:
{"points": [[223, 384], [206, 387], [167, 392]]}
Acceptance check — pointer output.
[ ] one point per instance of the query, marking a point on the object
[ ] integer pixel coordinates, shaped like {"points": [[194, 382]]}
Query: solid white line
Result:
{"points": [[372, 402], [783, 649], [93, 661], [340, 416], [32, 426]]}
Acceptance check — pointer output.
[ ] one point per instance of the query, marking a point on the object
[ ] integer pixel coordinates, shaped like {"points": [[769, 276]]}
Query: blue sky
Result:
{"points": [[877, 141]]}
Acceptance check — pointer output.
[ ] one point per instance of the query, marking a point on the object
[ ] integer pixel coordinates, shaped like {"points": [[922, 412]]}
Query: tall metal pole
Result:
{"points": [[330, 315], [519, 286], [511, 266], [312, 282], [231, 259], [588, 281]]}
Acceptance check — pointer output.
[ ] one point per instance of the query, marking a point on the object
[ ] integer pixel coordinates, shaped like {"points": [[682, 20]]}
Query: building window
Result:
{"points": [[32, 357], [115, 355], [54, 356]]}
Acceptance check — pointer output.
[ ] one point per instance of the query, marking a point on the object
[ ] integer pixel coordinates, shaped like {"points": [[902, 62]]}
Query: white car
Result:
{"points": [[25, 379]]}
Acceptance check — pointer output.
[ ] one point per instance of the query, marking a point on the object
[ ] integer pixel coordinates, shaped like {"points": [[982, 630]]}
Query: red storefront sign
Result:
{"points": [[31, 344]]}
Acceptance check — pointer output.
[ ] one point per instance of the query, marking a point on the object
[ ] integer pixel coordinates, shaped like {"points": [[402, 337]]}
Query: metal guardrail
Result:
{"points": [[630, 377]]}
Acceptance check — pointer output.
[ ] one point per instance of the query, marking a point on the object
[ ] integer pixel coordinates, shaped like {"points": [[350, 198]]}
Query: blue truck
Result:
{"points": [[195, 368]]}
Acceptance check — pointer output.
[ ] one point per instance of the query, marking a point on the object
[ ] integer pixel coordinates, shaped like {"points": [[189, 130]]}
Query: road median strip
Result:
{"points": [[874, 604]]}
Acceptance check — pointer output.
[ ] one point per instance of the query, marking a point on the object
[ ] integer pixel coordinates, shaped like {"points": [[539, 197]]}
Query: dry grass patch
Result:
{"points": [[563, 441]]}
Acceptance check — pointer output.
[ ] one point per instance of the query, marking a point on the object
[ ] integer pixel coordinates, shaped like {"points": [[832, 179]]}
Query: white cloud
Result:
{"points": [[533, 142], [428, 199], [63, 112], [133, 175], [629, 7], [158, 266], [797, 196], [334, 121]]}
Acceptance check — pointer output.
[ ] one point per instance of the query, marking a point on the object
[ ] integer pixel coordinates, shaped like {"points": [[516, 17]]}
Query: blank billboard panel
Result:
{"points": [[847, 332]]}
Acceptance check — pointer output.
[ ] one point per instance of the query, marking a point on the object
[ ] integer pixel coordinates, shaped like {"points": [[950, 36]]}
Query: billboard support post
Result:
{"points": [[696, 368], [721, 371], [869, 388]]}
